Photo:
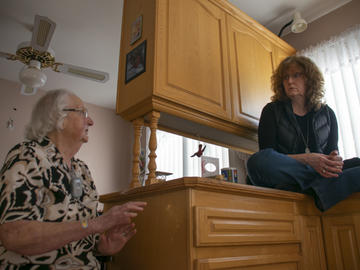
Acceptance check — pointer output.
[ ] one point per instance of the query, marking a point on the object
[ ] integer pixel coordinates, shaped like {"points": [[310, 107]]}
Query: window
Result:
{"points": [[339, 61], [174, 151]]}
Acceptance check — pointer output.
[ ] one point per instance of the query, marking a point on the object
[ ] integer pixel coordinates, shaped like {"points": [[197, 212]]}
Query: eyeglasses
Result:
{"points": [[84, 111], [295, 76]]}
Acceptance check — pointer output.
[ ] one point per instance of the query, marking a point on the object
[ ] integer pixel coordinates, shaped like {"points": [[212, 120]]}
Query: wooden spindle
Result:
{"points": [[154, 119], [138, 124]]}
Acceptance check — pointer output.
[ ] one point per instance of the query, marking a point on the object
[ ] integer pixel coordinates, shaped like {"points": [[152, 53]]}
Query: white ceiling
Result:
{"points": [[88, 34]]}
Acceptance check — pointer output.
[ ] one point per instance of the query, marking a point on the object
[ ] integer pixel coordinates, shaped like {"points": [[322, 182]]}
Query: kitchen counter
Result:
{"points": [[201, 223]]}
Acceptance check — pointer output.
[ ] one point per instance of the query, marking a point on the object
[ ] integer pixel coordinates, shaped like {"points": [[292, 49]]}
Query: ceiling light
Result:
{"points": [[28, 90], [32, 76], [298, 24]]}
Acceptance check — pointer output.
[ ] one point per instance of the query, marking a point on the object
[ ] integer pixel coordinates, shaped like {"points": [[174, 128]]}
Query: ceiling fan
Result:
{"points": [[37, 55]]}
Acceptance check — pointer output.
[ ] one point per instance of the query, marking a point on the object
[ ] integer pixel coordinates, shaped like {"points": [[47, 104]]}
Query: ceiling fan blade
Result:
{"points": [[3, 55], [7, 56], [43, 31], [82, 72], [27, 90]]}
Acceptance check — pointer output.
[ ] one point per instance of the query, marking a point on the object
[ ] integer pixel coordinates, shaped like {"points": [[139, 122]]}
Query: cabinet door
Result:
{"points": [[312, 243], [191, 62], [280, 54], [251, 62], [342, 241]]}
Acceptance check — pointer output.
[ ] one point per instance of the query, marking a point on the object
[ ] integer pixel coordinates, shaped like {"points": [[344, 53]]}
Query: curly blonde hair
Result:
{"points": [[314, 83]]}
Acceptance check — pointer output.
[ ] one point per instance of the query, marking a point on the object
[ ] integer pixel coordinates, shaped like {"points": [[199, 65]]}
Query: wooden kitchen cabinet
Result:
{"points": [[206, 62], [187, 63], [207, 74], [341, 226], [280, 53], [253, 58], [312, 243], [343, 241], [199, 223], [192, 55]]}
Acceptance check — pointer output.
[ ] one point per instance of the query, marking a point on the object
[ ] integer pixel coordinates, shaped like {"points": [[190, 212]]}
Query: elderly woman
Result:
{"points": [[48, 207], [298, 139]]}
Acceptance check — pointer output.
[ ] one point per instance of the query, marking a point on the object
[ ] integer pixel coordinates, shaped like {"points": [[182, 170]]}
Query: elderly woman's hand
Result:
{"points": [[115, 239], [117, 227], [118, 215], [326, 165]]}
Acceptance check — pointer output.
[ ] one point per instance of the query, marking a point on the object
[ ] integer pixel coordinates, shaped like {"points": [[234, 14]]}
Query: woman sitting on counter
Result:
{"points": [[298, 139]]}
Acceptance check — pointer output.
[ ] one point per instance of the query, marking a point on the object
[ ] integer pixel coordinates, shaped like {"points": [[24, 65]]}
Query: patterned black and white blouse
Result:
{"points": [[35, 185]]}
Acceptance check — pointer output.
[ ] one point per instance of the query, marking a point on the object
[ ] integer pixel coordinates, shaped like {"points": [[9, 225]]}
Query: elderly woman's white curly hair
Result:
{"points": [[48, 114]]}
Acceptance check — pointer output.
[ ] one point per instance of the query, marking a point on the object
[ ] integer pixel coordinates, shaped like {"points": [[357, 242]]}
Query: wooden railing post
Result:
{"points": [[138, 124], [154, 119]]}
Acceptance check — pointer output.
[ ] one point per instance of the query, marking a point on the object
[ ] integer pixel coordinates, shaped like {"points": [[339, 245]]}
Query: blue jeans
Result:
{"points": [[268, 168]]}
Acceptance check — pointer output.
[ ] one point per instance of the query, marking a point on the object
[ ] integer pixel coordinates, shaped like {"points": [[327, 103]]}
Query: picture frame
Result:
{"points": [[209, 166], [135, 62], [136, 30]]}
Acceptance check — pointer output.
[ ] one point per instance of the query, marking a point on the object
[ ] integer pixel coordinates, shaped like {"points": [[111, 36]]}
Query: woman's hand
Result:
{"points": [[327, 166], [119, 215], [115, 239], [116, 227]]}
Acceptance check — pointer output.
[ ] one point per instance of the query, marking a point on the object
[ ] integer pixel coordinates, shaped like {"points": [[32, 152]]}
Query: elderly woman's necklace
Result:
{"points": [[306, 142], [76, 191], [75, 184]]}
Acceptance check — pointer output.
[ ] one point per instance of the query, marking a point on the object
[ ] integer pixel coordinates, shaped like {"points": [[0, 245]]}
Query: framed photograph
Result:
{"points": [[136, 30], [209, 166], [135, 62]]}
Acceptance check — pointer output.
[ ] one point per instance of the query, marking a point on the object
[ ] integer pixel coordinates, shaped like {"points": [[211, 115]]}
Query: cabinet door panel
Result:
{"points": [[312, 241], [251, 61], [192, 57], [256, 262], [218, 226], [280, 55], [342, 241]]}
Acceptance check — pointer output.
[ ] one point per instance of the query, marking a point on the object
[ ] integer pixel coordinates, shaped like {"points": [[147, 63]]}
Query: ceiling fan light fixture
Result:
{"points": [[299, 24], [27, 90], [32, 76]]}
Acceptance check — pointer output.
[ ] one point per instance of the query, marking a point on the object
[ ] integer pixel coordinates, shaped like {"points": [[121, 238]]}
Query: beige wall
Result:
{"points": [[108, 152], [329, 25]]}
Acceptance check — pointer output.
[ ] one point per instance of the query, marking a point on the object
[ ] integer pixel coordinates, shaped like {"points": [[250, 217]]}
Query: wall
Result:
{"points": [[108, 152], [329, 25]]}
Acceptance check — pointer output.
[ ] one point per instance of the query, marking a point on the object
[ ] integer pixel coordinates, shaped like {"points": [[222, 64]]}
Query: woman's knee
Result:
{"points": [[258, 167], [259, 160]]}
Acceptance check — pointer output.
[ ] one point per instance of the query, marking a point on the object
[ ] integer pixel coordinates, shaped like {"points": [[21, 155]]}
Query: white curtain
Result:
{"points": [[174, 151], [339, 60]]}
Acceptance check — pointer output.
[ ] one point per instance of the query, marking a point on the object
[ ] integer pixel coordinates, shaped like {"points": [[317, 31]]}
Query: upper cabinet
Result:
{"points": [[192, 67], [206, 62], [251, 59], [253, 56]]}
